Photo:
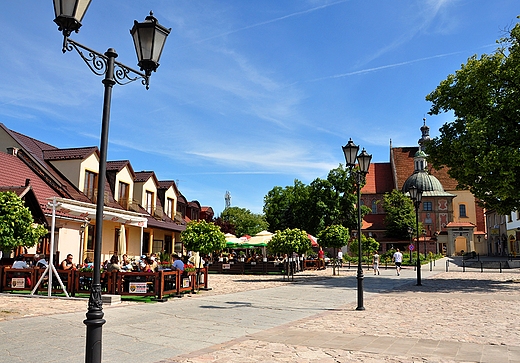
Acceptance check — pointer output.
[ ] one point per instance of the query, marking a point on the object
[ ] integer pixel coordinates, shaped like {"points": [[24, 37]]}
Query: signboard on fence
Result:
{"points": [[18, 282], [226, 266], [137, 288], [186, 282]]}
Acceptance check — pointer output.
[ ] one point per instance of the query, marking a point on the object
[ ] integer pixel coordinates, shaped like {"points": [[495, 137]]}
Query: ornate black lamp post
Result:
{"points": [[410, 233], [149, 38], [416, 196], [351, 154]]}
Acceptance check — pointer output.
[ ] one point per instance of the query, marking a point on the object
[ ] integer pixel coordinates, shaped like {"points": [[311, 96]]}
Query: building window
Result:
{"points": [[427, 206], [149, 202], [123, 194], [90, 184], [374, 206], [462, 210], [169, 207]]}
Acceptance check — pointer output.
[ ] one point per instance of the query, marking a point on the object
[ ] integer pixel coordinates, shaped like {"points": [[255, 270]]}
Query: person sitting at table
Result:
{"points": [[39, 262], [19, 262], [126, 264], [146, 265], [113, 265], [67, 263], [88, 262], [177, 263]]}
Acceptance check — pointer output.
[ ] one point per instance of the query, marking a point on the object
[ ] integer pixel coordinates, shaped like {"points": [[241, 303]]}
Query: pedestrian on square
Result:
{"points": [[375, 262], [398, 259], [321, 259]]}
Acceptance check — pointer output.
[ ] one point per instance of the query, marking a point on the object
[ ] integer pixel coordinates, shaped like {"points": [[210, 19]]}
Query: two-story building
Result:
{"points": [[142, 215]]}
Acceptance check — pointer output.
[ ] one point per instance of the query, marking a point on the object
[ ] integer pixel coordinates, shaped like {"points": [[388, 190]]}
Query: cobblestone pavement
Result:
{"points": [[470, 307]]}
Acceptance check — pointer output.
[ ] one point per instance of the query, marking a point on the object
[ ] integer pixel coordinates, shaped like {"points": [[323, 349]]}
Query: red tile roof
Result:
{"points": [[143, 176], [69, 154], [379, 179], [118, 165]]}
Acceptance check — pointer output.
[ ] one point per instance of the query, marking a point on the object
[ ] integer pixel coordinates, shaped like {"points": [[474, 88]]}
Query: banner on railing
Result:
{"points": [[18, 282], [138, 287]]}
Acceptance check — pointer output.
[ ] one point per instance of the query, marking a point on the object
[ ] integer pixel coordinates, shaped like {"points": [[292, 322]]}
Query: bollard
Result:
{"points": [[500, 266], [349, 264], [447, 264], [478, 257], [481, 266], [463, 266], [430, 264]]}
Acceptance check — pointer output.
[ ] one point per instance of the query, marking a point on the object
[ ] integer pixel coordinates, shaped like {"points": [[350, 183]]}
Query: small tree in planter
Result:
{"points": [[289, 241], [202, 237], [335, 236], [17, 227]]}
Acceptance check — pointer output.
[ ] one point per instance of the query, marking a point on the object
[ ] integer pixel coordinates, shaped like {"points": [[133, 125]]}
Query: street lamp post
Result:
{"points": [[410, 233], [351, 154], [149, 38], [416, 196]]}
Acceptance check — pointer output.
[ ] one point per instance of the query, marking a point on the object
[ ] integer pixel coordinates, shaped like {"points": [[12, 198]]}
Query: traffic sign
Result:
{"points": [[411, 247]]}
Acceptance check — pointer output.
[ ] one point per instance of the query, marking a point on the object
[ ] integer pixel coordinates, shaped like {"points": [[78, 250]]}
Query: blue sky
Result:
{"points": [[249, 94]]}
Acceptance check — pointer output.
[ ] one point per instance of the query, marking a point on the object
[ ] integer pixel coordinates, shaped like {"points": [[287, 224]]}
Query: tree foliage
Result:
{"points": [[334, 236], [368, 246], [481, 146], [17, 227], [400, 214], [202, 236], [244, 221], [316, 206], [289, 241]]}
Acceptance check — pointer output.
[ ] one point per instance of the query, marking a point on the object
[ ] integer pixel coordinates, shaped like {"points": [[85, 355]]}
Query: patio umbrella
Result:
{"points": [[121, 243], [232, 241], [314, 240]]}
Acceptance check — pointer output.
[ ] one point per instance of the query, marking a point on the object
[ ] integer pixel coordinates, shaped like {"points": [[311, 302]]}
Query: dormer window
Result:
{"points": [[169, 207], [90, 184], [124, 190], [149, 202]]}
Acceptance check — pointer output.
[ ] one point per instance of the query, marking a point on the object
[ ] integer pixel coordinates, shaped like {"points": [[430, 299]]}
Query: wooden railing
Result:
{"points": [[158, 284]]}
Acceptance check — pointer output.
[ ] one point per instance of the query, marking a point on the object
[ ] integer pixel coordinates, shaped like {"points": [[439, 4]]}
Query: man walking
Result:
{"points": [[398, 259]]}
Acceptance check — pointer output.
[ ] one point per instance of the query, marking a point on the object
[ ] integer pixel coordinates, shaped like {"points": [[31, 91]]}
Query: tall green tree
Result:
{"points": [[481, 146], [202, 236], [316, 206], [400, 214], [287, 207], [17, 227], [244, 221]]}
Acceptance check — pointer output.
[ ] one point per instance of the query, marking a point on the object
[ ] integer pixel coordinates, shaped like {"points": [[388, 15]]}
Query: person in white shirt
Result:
{"points": [[398, 259], [340, 258], [375, 262]]}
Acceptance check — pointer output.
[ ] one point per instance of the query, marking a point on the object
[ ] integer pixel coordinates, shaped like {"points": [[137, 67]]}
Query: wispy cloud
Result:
{"points": [[375, 69], [298, 13]]}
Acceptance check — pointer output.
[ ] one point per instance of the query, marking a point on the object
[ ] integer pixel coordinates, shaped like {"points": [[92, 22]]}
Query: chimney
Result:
{"points": [[27, 182], [12, 151]]}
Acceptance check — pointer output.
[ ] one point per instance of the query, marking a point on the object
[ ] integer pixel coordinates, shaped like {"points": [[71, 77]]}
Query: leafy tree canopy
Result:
{"points": [[202, 236], [368, 246], [17, 227], [400, 214], [244, 221], [316, 206], [481, 146], [289, 241], [334, 236]]}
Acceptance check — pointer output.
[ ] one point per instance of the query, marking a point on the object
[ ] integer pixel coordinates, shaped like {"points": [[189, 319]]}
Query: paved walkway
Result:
{"points": [[452, 317]]}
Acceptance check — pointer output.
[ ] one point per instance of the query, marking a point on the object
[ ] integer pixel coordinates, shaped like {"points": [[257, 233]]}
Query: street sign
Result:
{"points": [[411, 247]]}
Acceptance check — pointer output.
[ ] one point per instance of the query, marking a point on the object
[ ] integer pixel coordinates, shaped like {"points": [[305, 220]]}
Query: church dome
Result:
{"points": [[425, 182]]}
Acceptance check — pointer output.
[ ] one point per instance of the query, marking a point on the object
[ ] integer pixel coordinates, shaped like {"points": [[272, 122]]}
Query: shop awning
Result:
{"points": [[88, 210]]}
